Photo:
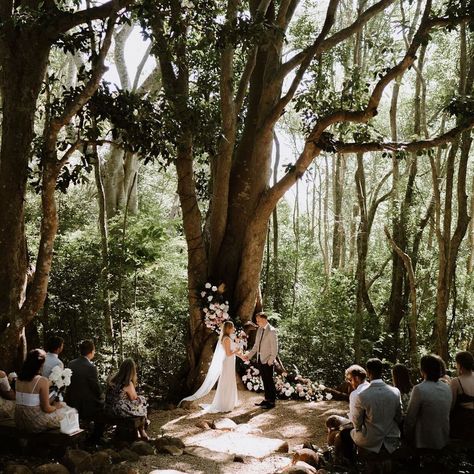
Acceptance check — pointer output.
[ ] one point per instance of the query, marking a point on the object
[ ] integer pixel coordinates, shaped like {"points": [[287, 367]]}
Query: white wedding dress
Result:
{"points": [[222, 368]]}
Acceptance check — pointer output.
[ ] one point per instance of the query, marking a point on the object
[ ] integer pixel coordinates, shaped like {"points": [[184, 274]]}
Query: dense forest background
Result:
{"points": [[361, 228]]}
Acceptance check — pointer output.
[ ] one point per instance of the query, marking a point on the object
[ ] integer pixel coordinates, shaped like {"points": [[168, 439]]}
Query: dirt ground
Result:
{"points": [[291, 421]]}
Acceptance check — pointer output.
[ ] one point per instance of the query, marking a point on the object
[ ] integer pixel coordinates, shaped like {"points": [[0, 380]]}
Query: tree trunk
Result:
{"points": [[338, 232], [15, 152]]}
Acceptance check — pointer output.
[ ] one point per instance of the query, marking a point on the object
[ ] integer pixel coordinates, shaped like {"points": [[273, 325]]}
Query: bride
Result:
{"points": [[223, 368]]}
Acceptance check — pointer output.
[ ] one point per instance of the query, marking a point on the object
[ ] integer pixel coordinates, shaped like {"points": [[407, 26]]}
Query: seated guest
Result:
{"points": [[54, 347], [401, 380], [121, 398], [445, 377], [338, 427], [356, 376], [427, 421], [7, 397], [462, 387], [377, 412], [33, 411], [84, 393]]}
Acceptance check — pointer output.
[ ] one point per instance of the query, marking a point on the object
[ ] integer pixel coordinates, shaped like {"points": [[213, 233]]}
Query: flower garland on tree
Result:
{"points": [[214, 306]]}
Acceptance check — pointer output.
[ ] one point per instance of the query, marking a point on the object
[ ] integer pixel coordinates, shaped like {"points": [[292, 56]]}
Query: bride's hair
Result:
{"points": [[226, 327]]}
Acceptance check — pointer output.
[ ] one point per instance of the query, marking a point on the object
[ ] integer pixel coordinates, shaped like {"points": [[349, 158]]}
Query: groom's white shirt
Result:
{"points": [[268, 345]]}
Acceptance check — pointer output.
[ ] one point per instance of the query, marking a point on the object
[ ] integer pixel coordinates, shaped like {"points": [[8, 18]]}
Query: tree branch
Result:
{"points": [[140, 67], [66, 21], [245, 79], [408, 146], [335, 39], [90, 88], [311, 52]]}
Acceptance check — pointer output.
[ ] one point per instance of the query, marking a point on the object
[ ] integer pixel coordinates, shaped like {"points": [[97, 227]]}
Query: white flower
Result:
{"points": [[205, 310], [244, 378], [207, 285], [322, 387], [209, 298], [328, 396], [203, 294], [256, 371], [225, 316], [249, 385], [212, 306], [301, 394], [214, 288], [287, 393]]}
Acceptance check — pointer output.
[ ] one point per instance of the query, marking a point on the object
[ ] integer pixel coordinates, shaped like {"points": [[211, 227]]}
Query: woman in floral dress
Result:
{"points": [[121, 398]]}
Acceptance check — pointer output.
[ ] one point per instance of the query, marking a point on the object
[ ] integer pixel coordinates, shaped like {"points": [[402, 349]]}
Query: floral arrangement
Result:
{"points": [[301, 389], [60, 379], [215, 308], [293, 387], [252, 379]]}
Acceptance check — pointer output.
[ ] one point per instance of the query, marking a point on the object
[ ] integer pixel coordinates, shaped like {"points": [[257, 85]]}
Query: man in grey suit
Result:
{"points": [[426, 424], [377, 413], [266, 350]]}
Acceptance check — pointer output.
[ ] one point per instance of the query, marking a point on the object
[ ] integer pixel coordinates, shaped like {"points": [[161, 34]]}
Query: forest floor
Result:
{"points": [[259, 434]]}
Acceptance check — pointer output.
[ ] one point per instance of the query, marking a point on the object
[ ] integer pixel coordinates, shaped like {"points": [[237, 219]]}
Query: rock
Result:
{"points": [[308, 456], [283, 448], [51, 469], [224, 424], [115, 457], [166, 471], [17, 469], [77, 460], [309, 445], [244, 459], [101, 461], [248, 429], [205, 453], [128, 455], [299, 468], [143, 448], [188, 405], [168, 441], [173, 450], [204, 425], [124, 468]]}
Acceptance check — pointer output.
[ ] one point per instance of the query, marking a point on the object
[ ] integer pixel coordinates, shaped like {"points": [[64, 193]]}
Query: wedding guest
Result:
{"points": [[462, 386], [85, 393], [401, 380], [377, 412], [444, 371], [121, 397], [7, 397], [426, 424], [356, 376], [33, 412], [54, 347]]}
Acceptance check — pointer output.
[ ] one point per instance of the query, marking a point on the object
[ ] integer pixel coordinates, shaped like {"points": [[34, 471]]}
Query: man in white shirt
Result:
{"points": [[54, 347], [356, 376]]}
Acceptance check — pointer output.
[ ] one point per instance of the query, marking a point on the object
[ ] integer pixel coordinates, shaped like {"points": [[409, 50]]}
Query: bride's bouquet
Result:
{"points": [[60, 379], [215, 308]]}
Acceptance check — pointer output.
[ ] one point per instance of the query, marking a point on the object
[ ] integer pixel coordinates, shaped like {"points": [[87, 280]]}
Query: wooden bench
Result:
{"points": [[53, 438]]}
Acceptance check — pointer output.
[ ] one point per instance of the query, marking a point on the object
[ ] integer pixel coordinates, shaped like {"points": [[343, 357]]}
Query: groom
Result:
{"points": [[266, 350]]}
